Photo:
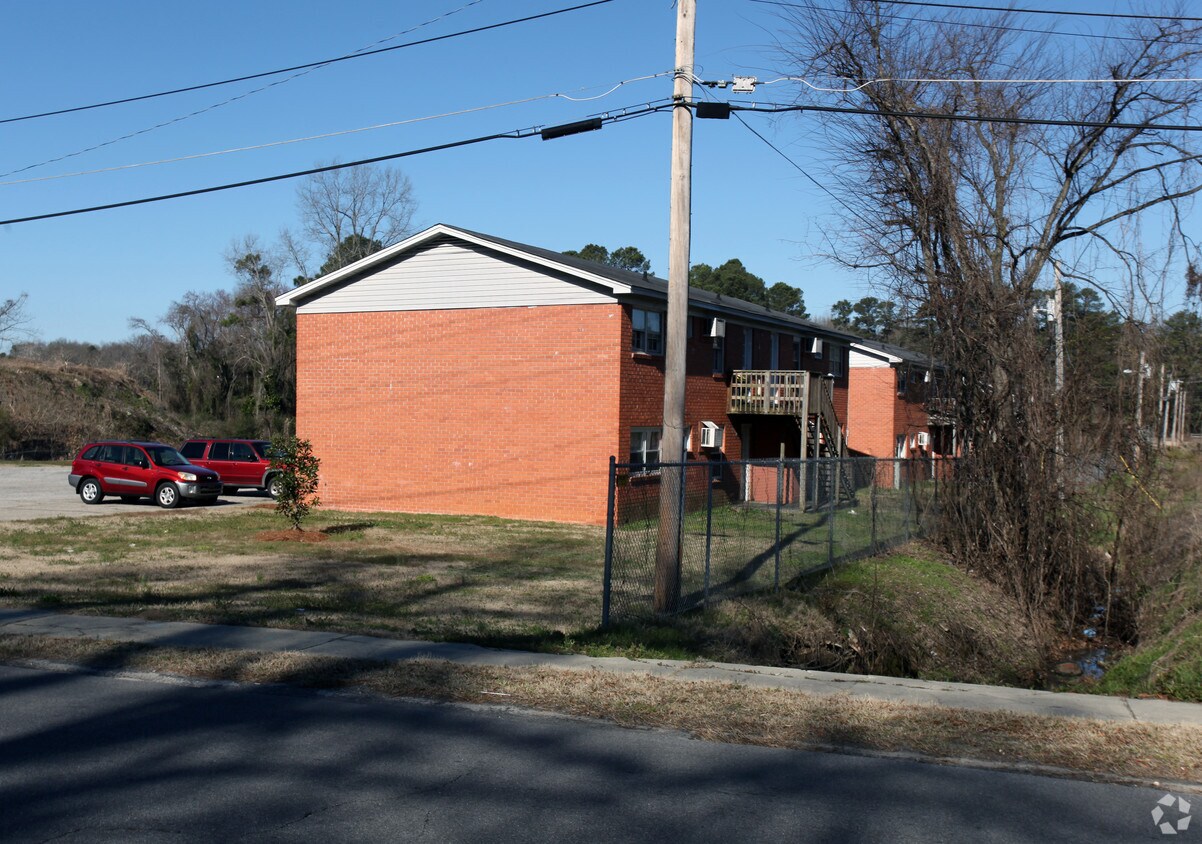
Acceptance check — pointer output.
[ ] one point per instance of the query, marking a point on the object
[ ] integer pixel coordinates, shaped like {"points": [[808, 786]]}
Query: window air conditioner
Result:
{"points": [[816, 347], [711, 435], [924, 439], [718, 328]]}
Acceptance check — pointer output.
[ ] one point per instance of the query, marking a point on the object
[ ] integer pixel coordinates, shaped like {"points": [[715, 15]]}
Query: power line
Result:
{"points": [[802, 170], [975, 24], [1112, 15], [515, 134], [986, 81], [967, 7], [321, 63], [971, 118], [327, 135]]}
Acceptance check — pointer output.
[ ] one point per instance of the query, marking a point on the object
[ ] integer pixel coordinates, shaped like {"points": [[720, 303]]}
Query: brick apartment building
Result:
{"points": [[894, 405], [456, 372]]}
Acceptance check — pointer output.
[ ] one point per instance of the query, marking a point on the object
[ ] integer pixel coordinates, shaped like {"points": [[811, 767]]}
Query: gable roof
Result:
{"points": [[623, 284], [893, 354]]}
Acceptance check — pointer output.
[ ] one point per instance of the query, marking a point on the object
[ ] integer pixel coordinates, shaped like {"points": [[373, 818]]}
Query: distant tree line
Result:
{"points": [[225, 360]]}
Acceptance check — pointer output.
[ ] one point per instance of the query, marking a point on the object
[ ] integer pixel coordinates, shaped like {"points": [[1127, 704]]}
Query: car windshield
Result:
{"points": [[164, 455]]}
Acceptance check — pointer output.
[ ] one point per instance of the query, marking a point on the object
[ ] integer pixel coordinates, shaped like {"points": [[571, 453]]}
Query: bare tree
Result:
{"points": [[965, 216], [13, 318], [264, 338], [348, 214]]}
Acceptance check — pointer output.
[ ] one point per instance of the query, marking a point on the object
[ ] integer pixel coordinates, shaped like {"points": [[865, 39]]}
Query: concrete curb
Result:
{"points": [[30, 622]]}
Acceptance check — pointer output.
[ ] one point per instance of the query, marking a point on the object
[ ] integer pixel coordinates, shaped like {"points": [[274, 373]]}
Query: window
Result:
{"points": [[134, 456], [747, 335], [836, 367], [775, 360], [193, 450], [91, 453], [242, 451], [219, 451], [644, 449], [647, 331], [797, 353], [901, 380], [719, 355]]}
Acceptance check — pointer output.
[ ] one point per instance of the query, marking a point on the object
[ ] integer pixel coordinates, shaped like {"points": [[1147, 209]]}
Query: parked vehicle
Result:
{"points": [[240, 462], [133, 470]]}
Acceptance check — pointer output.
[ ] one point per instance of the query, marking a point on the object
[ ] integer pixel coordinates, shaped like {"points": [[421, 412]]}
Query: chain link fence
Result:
{"points": [[755, 525]]}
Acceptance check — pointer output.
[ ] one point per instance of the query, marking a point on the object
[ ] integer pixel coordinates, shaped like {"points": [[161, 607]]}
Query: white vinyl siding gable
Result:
{"points": [[448, 276]]}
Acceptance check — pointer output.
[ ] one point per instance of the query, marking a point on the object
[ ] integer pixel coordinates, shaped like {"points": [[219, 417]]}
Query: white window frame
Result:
{"points": [[641, 337], [640, 439]]}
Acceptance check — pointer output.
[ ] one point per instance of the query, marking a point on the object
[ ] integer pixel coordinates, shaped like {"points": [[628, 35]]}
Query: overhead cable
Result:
{"points": [[321, 63], [327, 135], [768, 108], [1006, 9], [978, 24], [529, 132]]}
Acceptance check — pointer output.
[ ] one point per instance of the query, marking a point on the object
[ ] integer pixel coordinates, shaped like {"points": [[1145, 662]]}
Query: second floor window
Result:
{"points": [[836, 360], [647, 334], [719, 355]]}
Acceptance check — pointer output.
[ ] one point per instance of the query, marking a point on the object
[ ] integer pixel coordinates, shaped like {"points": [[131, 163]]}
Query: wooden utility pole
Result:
{"points": [[672, 477]]}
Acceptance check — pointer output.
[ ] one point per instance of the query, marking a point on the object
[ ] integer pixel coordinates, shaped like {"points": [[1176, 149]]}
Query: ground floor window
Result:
{"points": [[644, 448]]}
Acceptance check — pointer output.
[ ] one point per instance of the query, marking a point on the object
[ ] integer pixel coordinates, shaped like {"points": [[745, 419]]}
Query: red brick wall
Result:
{"points": [[642, 390], [510, 412], [877, 415], [872, 394]]}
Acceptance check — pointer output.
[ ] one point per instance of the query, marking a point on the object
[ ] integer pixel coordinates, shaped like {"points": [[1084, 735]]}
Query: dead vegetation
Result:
{"points": [[49, 410], [712, 711]]}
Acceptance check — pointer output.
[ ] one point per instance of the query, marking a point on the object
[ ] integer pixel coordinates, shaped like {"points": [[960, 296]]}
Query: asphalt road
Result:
{"points": [[34, 492], [98, 758]]}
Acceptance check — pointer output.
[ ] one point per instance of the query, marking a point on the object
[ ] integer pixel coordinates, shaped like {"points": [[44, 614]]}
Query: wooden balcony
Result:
{"points": [[772, 392]]}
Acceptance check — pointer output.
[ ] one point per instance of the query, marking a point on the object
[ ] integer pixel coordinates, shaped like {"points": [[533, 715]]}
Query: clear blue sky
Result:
{"points": [[87, 275]]}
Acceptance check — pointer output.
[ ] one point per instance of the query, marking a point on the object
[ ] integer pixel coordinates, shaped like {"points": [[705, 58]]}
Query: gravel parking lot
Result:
{"points": [[35, 492]]}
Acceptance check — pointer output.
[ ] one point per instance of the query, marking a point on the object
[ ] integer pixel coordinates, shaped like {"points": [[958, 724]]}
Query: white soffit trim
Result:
{"points": [[314, 288]]}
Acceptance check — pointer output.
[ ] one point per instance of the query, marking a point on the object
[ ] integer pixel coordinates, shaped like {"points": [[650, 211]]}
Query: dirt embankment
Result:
{"points": [[48, 410]]}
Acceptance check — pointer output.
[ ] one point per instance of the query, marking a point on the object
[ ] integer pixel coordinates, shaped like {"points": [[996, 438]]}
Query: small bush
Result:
{"points": [[297, 466]]}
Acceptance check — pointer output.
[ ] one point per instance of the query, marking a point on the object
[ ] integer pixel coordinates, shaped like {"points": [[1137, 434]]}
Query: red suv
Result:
{"points": [[239, 462], [136, 469]]}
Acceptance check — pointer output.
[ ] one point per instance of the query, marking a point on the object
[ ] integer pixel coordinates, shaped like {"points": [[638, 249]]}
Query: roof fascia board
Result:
{"points": [[315, 287], [893, 360]]}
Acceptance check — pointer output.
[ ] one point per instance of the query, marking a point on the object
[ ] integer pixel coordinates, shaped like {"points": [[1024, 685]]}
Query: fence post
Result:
{"points": [[780, 493], [609, 541], [709, 530], [830, 550], [872, 501]]}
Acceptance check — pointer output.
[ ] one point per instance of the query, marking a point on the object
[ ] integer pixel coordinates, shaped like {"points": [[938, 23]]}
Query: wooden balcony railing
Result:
{"points": [[773, 392]]}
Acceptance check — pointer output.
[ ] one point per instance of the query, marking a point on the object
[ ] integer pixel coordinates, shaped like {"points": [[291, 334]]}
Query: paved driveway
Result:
{"points": [[34, 492]]}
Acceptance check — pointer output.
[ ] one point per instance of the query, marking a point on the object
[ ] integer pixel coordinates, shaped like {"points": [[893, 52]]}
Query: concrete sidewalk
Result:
{"points": [[956, 695]]}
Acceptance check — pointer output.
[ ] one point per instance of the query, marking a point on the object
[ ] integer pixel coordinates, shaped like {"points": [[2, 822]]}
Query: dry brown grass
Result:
{"points": [[712, 711], [386, 574]]}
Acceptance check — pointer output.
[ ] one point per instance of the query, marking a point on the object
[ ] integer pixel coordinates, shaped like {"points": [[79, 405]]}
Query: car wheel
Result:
{"points": [[90, 491], [167, 496], [273, 486], [129, 499]]}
